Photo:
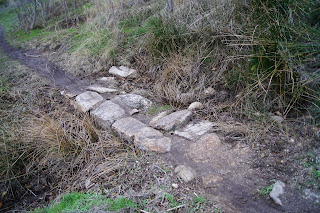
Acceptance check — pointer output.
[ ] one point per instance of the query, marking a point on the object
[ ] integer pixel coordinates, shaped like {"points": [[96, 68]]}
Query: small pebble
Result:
{"points": [[174, 185]]}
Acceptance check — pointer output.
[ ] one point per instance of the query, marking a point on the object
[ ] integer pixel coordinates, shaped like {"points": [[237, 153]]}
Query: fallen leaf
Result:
{"points": [[262, 155]]}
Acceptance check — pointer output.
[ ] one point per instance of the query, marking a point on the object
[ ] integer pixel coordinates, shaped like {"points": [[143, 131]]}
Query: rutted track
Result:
{"points": [[34, 60]]}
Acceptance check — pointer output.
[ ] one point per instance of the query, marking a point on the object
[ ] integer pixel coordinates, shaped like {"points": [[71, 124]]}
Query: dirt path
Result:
{"points": [[35, 61]]}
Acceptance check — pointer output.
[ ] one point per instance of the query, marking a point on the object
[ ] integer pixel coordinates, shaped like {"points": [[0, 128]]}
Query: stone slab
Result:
{"points": [[150, 139], [101, 90], [193, 131], [108, 81], [87, 100], [128, 127], [107, 113], [123, 72], [134, 101], [202, 150], [173, 120]]}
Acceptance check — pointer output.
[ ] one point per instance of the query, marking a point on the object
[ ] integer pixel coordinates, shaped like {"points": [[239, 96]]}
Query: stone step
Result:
{"points": [[193, 131], [88, 100], [123, 72], [128, 127], [134, 101], [107, 113], [172, 121], [101, 89], [150, 139], [110, 82]]}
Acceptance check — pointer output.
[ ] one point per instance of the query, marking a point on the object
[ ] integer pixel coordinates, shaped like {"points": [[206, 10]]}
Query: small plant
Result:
{"points": [[311, 161], [198, 204], [265, 190], [172, 200], [155, 109]]}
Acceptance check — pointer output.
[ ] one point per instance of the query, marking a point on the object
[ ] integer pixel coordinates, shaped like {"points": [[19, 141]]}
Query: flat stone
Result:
{"points": [[278, 189], [193, 131], [173, 120], [88, 100], [159, 116], [108, 81], [150, 139], [128, 127], [186, 173], [123, 72], [195, 105], [134, 101], [101, 89], [201, 151], [107, 113]]}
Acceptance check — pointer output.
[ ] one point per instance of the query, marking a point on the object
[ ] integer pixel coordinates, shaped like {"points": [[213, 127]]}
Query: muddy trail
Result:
{"points": [[34, 60], [224, 171]]}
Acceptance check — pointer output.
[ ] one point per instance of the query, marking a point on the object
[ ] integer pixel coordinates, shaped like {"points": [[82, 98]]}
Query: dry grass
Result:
{"points": [[72, 148], [42, 138]]}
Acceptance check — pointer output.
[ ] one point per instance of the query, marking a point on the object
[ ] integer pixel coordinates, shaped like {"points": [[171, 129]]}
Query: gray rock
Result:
{"points": [[186, 173], [101, 89], [195, 105], [193, 131], [159, 116], [277, 118], [109, 81], [150, 139], [123, 72], [88, 100], [107, 113], [141, 92], [173, 120], [128, 127], [278, 189], [134, 101]]}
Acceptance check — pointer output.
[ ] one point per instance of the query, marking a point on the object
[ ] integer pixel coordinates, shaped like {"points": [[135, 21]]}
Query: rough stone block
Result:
{"points": [[150, 139], [123, 72], [128, 127], [192, 131], [88, 100], [134, 101], [173, 120], [107, 113]]}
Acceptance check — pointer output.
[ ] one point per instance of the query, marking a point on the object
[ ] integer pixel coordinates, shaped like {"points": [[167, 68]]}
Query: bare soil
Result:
{"points": [[230, 174], [34, 60]]}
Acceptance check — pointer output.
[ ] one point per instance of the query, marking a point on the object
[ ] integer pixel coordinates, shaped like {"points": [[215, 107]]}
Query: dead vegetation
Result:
{"points": [[43, 138]]}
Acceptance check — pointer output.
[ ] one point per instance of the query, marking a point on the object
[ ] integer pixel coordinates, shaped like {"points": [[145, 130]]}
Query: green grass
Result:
{"points": [[155, 109], [8, 19], [23, 36], [84, 202]]}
